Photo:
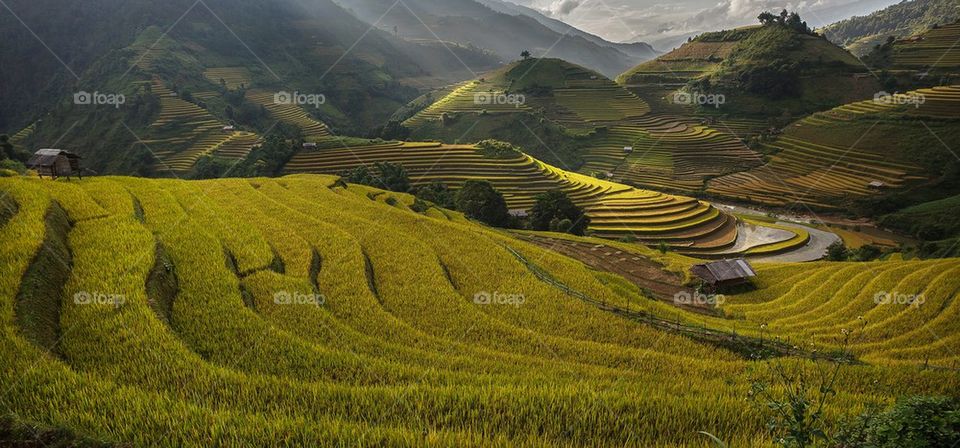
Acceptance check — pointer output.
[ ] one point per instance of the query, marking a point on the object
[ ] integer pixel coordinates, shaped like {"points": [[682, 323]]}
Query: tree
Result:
{"points": [[388, 176], [6, 148], [393, 177], [554, 211], [479, 200], [525, 54], [437, 193], [766, 18], [837, 252]]}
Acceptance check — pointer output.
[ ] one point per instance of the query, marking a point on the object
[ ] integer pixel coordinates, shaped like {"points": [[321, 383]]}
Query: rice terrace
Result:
{"points": [[479, 223]]}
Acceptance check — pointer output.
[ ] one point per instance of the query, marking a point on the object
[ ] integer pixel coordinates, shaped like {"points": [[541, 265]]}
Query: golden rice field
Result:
{"points": [[292, 311], [289, 113], [668, 152], [810, 169], [231, 77], [184, 132], [615, 210], [933, 49]]}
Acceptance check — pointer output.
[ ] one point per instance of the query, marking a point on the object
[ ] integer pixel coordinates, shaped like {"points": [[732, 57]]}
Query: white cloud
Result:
{"points": [[622, 20], [562, 7]]}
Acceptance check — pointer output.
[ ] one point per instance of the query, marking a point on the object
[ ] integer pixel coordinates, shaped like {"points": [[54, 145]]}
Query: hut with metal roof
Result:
{"points": [[55, 163], [724, 273]]}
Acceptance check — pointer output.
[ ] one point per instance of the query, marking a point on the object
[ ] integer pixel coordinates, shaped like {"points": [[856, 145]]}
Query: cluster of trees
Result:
{"points": [[839, 252], [268, 159], [790, 20], [6, 148], [553, 211], [10, 159]]}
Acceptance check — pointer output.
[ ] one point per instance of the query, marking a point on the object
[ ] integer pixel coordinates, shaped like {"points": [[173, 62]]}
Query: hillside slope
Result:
{"points": [[907, 18], [150, 312], [760, 70], [932, 54], [309, 47], [615, 211], [830, 159], [581, 121]]}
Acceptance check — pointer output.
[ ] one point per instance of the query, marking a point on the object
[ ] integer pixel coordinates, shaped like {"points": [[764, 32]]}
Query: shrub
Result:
{"points": [[929, 422], [496, 149], [389, 176]]}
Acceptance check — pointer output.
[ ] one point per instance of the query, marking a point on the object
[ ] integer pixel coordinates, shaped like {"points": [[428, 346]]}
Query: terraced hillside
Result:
{"points": [[831, 158], [905, 311], [934, 49], [691, 60], [195, 313], [184, 132], [623, 141], [289, 113], [761, 70], [615, 210], [230, 77]]}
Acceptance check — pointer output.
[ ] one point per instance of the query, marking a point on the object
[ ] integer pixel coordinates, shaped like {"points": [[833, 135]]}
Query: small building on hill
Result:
{"points": [[55, 163], [724, 273], [876, 185]]}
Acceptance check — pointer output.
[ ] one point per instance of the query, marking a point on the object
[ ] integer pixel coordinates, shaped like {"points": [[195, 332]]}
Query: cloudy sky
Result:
{"points": [[652, 20]]}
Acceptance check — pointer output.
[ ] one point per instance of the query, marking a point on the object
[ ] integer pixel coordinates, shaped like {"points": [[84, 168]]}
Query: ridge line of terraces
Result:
{"points": [[620, 210]]}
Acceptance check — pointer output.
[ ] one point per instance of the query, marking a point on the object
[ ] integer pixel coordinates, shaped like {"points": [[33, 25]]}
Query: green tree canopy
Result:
{"points": [[385, 175], [555, 211], [479, 200]]}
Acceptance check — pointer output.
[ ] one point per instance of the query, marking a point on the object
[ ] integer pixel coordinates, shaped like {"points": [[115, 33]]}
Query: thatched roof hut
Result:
{"points": [[55, 163]]}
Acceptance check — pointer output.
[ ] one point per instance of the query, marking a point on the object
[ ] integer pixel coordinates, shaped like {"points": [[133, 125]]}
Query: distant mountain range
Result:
{"points": [[503, 28], [56, 43]]}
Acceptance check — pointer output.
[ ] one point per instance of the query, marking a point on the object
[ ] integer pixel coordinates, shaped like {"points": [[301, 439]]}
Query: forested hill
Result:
{"points": [[861, 34]]}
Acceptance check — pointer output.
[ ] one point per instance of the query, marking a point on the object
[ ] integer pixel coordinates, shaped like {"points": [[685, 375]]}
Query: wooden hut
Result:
{"points": [[55, 163], [724, 273]]}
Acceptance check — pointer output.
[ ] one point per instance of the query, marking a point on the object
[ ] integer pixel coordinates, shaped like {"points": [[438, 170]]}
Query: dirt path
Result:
{"points": [[647, 274]]}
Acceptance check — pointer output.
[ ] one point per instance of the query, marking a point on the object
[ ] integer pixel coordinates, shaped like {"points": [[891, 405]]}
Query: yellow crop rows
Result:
{"points": [[615, 210], [232, 77], [289, 113], [295, 294], [934, 49]]}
